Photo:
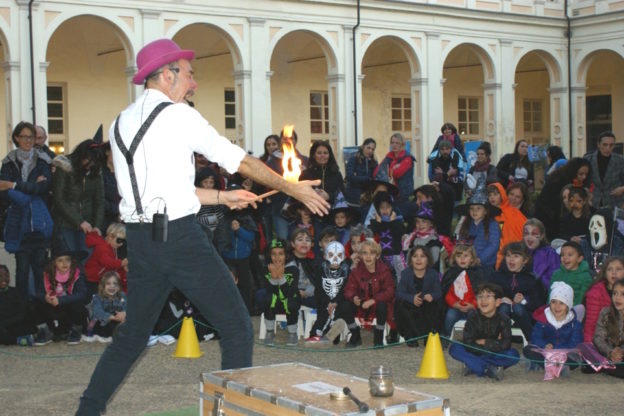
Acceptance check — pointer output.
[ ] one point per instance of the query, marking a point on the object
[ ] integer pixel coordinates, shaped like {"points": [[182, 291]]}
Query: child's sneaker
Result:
{"points": [[293, 339], [494, 372], [25, 340], [74, 336], [466, 371], [87, 338], [43, 337], [153, 340], [269, 338], [316, 339], [105, 340]]}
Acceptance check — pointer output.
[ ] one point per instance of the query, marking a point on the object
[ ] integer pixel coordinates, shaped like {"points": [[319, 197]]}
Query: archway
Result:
{"points": [[216, 58], [601, 72], [388, 102], [86, 83], [300, 93]]}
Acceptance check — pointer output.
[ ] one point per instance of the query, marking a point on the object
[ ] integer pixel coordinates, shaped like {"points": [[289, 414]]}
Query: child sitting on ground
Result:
{"points": [[282, 293], [458, 285], [61, 304], [574, 271], [418, 294], [486, 331], [556, 327], [104, 257], [545, 258], [15, 322], [598, 296], [108, 309], [329, 292], [609, 335], [522, 291]]}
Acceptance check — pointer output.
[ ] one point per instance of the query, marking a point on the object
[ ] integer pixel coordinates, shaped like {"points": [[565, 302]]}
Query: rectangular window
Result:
{"points": [[57, 109], [401, 113], [532, 116], [468, 116], [230, 109], [319, 112]]}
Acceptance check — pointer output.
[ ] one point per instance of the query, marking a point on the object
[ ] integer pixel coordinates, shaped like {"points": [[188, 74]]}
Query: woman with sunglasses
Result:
{"points": [[25, 180], [105, 257]]}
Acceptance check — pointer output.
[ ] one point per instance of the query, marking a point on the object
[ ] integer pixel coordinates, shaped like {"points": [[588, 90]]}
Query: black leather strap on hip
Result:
{"points": [[129, 154]]}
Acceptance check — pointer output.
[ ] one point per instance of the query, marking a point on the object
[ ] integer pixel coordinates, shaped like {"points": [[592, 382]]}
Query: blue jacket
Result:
{"points": [[568, 336], [359, 172], [103, 308], [486, 248], [241, 244], [406, 289], [26, 214]]}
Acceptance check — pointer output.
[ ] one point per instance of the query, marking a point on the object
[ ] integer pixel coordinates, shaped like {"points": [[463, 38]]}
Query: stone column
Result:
{"points": [[257, 88], [151, 24], [579, 131], [492, 118], [12, 99], [433, 92], [419, 152], [336, 87], [244, 135], [505, 110], [559, 133]]}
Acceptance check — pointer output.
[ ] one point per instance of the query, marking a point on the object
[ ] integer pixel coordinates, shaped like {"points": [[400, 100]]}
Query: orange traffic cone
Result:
{"points": [[433, 364], [188, 345]]}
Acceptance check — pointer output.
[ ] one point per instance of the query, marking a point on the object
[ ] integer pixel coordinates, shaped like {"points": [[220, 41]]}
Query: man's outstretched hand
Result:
{"points": [[304, 192]]}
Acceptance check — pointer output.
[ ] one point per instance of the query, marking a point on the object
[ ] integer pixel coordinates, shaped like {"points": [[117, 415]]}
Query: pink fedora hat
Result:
{"points": [[156, 54]]}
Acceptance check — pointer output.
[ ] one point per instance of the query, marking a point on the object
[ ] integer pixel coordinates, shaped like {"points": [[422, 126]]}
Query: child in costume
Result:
{"points": [[329, 291], [388, 229], [480, 229], [425, 234], [511, 219], [282, 293], [544, 258]]}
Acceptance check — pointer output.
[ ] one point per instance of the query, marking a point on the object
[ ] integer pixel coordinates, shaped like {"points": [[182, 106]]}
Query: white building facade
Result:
{"points": [[500, 70]]}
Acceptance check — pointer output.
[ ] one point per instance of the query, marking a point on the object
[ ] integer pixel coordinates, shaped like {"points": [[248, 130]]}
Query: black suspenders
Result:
{"points": [[129, 154]]}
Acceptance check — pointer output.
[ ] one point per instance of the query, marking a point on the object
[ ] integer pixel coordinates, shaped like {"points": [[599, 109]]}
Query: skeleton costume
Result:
{"points": [[329, 289]]}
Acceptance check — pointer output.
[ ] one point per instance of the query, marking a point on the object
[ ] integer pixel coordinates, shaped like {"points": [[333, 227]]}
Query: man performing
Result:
{"points": [[155, 174]]}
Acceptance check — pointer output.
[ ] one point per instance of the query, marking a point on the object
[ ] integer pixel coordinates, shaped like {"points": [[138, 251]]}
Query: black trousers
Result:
{"points": [[415, 321], [60, 318]]}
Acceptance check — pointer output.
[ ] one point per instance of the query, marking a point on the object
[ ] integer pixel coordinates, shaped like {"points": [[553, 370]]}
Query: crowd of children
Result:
{"points": [[388, 264]]}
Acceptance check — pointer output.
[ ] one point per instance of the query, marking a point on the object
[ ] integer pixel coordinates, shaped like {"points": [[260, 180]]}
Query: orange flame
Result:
{"points": [[290, 163]]}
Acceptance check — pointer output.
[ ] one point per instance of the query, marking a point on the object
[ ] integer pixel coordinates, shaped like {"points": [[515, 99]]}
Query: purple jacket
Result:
{"points": [[545, 262]]}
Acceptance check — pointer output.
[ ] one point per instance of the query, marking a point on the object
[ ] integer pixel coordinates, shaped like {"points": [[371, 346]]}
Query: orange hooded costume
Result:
{"points": [[511, 220]]}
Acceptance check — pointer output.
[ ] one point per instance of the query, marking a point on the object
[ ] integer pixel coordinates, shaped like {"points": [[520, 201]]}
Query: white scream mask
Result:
{"points": [[335, 254], [597, 231]]}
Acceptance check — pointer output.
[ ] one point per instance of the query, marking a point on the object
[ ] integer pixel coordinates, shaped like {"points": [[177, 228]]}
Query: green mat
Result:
{"points": [[188, 411]]}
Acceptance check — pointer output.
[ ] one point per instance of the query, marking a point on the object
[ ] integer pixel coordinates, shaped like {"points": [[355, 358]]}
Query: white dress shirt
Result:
{"points": [[163, 161]]}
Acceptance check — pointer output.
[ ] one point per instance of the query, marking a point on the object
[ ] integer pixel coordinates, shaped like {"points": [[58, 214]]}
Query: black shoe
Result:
{"points": [[393, 337], [466, 371], [43, 337], [494, 372], [356, 339], [412, 344], [378, 337], [75, 335]]}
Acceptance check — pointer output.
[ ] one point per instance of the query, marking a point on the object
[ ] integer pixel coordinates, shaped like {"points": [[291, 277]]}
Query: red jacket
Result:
{"points": [[404, 164], [103, 259], [596, 298], [451, 297], [382, 283]]}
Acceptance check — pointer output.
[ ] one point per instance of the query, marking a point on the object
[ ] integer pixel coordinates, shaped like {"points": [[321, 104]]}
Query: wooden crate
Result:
{"points": [[293, 389]]}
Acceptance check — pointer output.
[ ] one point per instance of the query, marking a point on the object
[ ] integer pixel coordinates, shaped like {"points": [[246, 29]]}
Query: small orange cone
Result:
{"points": [[433, 364], [188, 345]]}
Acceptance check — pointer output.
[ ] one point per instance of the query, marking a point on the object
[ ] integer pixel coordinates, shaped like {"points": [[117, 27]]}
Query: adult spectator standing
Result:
{"points": [[548, 204], [516, 166], [322, 165], [280, 224], [40, 142], [78, 195], [360, 168], [449, 132], [25, 179], [185, 258], [397, 167], [607, 173]]}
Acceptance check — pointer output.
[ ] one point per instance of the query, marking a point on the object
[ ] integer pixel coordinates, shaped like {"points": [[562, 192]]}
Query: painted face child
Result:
{"points": [[532, 236]]}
